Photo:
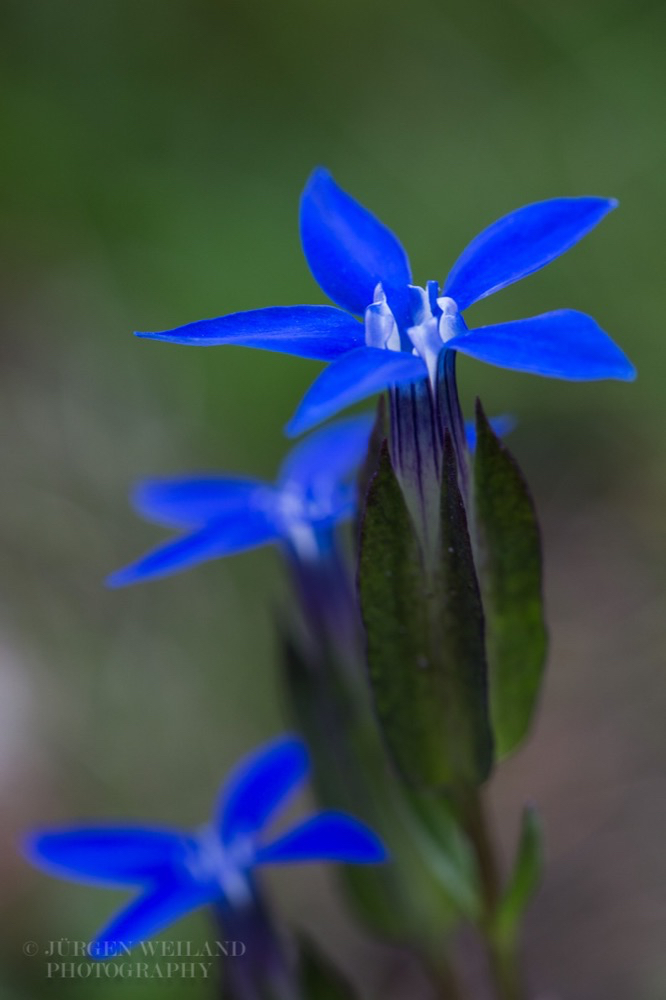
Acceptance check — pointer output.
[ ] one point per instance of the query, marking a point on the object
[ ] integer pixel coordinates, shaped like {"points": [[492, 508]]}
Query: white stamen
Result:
{"points": [[381, 329], [425, 335], [451, 323]]}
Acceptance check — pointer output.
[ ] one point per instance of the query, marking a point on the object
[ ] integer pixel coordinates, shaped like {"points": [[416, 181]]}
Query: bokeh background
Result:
{"points": [[153, 157]]}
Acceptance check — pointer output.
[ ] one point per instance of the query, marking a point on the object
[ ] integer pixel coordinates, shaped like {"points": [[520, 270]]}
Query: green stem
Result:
{"points": [[502, 951], [506, 970], [478, 831]]}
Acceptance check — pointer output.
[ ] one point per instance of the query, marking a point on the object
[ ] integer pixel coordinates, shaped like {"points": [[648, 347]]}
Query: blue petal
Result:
{"points": [[329, 456], [108, 855], [319, 332], [502, 425], [223, 537], [328, 836], [147, 916], [562, 344], [260, 784], [359, 374], [520, 243], [190, 502], [348, 250]]}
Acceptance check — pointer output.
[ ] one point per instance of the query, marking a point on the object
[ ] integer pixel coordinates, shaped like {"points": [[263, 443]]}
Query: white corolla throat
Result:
{"points": [[435, 321], [299, 514], [226, 867]]}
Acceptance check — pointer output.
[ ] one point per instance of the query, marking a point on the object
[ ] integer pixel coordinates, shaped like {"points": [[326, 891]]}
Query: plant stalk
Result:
{"points": [[503, 956]]}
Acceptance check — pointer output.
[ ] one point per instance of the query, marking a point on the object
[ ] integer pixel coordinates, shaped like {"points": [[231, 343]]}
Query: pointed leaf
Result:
{"points": [[424, 637], [525, 876], [435, 829], [460, 617], [430, 883], [510, 574], [502, 426]]}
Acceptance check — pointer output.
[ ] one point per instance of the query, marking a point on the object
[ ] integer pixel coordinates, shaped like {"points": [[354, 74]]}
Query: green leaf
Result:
{"points": [[430, 880], [424, 632], [435, 828], [509, 559], [525, 876]]}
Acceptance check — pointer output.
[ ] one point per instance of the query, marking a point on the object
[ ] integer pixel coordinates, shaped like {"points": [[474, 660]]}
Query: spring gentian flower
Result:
{"points": [[408, 330], [176, 871], [222, 515]]}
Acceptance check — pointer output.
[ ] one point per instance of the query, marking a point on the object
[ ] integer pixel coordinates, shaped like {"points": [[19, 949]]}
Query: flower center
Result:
{"points": [[434, 319], [226, 867], [304, 514]]}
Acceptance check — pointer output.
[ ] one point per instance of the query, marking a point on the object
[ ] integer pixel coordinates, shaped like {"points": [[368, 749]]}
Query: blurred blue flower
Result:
{"points": [[179, 871], [362, 267], [225, 515]]}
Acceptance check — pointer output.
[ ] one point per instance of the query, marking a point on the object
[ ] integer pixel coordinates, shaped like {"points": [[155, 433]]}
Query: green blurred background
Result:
{"points": [[153, 153]]}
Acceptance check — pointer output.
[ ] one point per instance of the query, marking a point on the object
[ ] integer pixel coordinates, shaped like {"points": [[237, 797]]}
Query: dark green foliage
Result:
{"points": [[509, 560], [424, 636]]}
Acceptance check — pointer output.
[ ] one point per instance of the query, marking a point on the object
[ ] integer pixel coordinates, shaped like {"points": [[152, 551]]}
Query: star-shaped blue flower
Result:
{"points": [[223, 515], [362, 266], [177, 871]]}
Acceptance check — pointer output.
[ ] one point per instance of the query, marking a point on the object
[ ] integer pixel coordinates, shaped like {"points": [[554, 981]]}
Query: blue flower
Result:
{"points": [[223, 515], [362, 267], [178, 871]]}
